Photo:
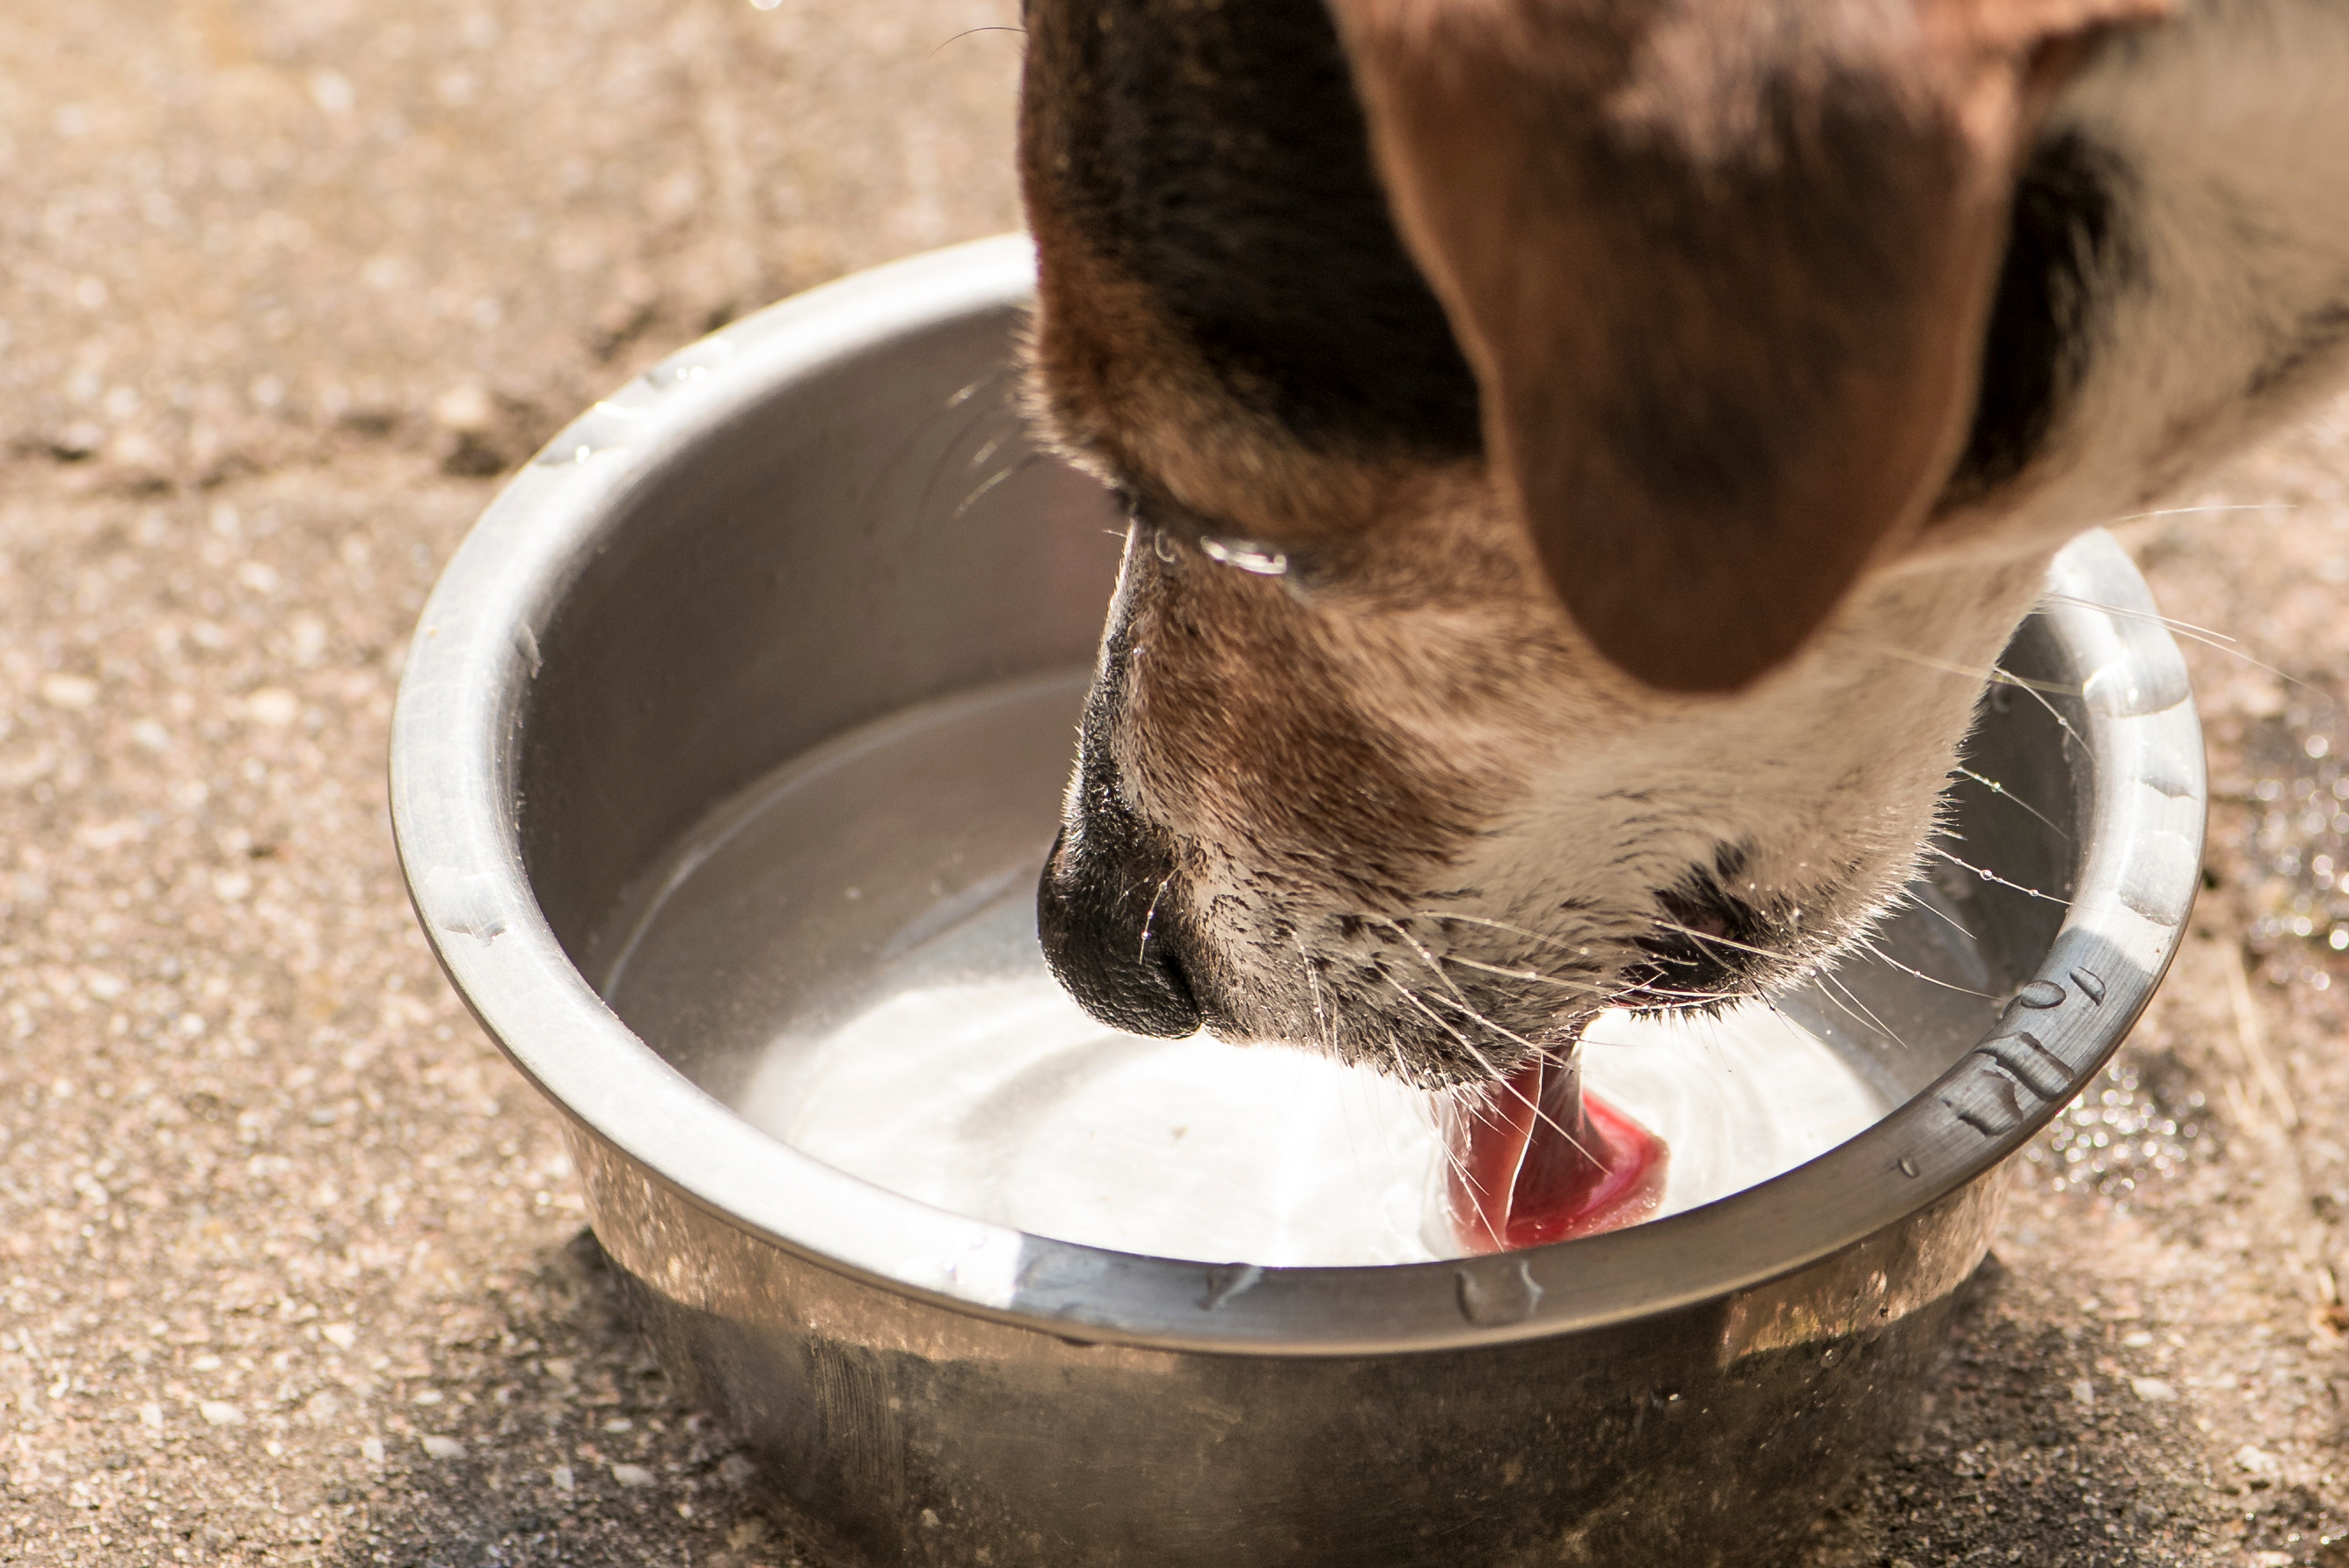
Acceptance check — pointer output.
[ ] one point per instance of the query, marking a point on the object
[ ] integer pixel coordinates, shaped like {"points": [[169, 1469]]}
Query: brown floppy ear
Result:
{"points": [[1722, 268]]}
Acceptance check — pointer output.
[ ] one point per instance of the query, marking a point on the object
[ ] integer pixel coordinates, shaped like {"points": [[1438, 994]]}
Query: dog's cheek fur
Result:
{"points": [[1299, 807], [1324, 772], [1426, 837]]}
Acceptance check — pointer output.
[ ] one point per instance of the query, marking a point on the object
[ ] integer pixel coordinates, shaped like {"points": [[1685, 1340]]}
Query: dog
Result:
{"points": [[1584, 455]]}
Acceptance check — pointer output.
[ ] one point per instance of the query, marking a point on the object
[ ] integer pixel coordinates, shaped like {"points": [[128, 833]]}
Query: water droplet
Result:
{"points": [[1907, 1166], [468, 903], [2041, 994], [688, 365], [2030, 1063], [601, 429], [1231, 1279], [1499, 1292], [1246, 554], [566, 454], [2090, 982]]}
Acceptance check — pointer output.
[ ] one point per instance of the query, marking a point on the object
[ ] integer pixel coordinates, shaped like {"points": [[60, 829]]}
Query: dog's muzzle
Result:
{"points": [[1109, 932]]}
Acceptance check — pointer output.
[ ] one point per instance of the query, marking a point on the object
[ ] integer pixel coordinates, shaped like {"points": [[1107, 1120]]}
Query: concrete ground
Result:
{"points": [[291, 1264]]}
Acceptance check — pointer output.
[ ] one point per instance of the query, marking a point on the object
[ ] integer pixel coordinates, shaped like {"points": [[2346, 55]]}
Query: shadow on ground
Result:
{"points": [[2019, 1458], [573, 1451]]}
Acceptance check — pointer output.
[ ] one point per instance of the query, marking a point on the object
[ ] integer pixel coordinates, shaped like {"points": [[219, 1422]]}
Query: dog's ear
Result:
{"points": [[1722, 269]]}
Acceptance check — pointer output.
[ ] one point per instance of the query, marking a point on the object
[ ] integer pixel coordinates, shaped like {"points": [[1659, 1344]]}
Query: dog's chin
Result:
{"points": [[1443, 995]]}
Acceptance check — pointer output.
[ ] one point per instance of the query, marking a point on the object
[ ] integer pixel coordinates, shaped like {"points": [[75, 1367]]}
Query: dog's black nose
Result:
{"points": [[1110, 937]]}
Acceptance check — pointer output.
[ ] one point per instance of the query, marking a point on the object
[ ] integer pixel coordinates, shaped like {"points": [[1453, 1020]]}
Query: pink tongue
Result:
{"points": [[1575, 1167]]}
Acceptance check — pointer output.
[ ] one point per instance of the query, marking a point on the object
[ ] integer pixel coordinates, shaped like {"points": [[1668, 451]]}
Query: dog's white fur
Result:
{"points": [[1572, 797], [2234, 316], [2232, 116]]}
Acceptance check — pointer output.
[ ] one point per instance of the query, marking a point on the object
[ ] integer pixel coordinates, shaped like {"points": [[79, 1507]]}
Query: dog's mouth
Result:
{"points": [[1535, 1158], [1709, 944]]}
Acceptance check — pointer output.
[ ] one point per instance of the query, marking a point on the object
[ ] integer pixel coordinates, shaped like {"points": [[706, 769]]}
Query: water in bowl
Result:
{"points": [[858, 929]]}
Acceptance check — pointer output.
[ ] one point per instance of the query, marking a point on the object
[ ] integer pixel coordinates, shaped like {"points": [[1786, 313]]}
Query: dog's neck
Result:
{"points": [[2215, 305]]}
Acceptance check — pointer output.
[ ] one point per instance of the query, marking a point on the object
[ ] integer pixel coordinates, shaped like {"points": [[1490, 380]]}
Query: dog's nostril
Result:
{"points": [[1110, 942]]}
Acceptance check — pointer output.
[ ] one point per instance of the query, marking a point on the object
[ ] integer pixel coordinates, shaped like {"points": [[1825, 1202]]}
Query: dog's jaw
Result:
{"points": [[1431, 831]]}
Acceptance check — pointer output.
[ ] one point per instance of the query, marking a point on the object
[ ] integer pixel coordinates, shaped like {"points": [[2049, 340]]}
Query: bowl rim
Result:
{"points": [[455, 756]]}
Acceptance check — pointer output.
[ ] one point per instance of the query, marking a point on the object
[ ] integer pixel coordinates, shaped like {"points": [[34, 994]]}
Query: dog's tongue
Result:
{"points": [[1541, 1160]]}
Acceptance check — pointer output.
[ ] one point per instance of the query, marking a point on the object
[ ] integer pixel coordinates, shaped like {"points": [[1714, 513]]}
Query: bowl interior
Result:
{"points": [[825, 515], [866, 540]]}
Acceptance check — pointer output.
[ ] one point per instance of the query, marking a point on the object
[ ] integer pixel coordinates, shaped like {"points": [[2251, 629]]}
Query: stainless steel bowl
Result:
{"points": [[824, 513]]}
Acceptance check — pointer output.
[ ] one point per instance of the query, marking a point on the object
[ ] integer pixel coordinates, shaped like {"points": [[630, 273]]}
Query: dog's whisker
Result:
{"points": [[1827, 977], [1304, 961], [1496, 1075], [987, 383], [1329, 1017], [991, 482], [1995, 787], [1496, 924], [966, 32], [1425, 957], [1450, 1103], [1402, 1066], [2191, 632], [2130, 612], [1951, 920], [1537, 977], [1151, 914], [2052, 711], [1458, 998], [1868, 946], [988, 431], [1991, 876], [1534, 976], [1438, 1022], [2196, 510], [1477, 1017], [1708, 936], [1464, 1179], [1474, 1105], [1992, 673], [1683, 1000], [1997, 675]]}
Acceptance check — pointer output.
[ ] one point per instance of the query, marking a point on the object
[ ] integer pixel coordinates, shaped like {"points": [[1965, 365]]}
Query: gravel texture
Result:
{"points": [[291, 1264]]}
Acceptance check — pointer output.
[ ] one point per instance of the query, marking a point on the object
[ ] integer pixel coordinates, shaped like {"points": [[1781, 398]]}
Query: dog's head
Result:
{"points": [[1562, 488]]}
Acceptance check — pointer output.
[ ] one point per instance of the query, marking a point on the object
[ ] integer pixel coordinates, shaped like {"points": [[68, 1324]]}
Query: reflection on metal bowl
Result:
{"points": [[824, 514]]}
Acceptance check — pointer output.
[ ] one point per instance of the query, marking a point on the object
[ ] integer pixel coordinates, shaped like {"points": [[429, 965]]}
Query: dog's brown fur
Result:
{"points": [[1443, 771], [1721, 271]]}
